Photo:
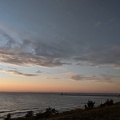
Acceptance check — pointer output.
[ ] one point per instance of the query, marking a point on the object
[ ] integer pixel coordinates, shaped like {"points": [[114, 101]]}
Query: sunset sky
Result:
{"points": [[60, 45]]}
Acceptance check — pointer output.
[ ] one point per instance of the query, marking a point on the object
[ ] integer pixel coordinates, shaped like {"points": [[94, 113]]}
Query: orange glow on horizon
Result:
{"points": [[40, 84], [44, 87]]}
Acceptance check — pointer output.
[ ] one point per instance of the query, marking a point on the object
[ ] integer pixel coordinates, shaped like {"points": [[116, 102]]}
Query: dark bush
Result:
{"points": [[8, 117], [29, 114], [48, 112], [39, 115], [89, 105], [107, 103]]}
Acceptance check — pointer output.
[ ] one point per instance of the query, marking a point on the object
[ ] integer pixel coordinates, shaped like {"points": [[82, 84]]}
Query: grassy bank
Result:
{"points": [[102, 112]]}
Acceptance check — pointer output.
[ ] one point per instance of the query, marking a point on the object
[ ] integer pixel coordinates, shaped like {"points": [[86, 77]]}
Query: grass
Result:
{"points": [[108, 112]]}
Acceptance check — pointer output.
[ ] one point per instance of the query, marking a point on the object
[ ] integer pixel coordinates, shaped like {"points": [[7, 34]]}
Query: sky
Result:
{"points": [[60, 46]]}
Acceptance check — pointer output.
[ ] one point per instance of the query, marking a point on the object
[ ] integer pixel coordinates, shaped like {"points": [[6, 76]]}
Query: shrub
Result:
{"points": [[48, 112], [89, 105], [29, 114], [8, 117], [107, 103]]}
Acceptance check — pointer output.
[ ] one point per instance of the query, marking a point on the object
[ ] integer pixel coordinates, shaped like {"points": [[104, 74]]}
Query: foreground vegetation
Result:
{"points": [[105, 111]]}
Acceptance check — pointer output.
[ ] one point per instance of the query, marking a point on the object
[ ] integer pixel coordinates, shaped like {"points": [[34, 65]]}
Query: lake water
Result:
{"points": [[19, 103]]}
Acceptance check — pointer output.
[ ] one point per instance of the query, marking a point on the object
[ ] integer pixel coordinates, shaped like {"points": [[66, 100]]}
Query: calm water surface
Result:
{"points": [[19, 103]]}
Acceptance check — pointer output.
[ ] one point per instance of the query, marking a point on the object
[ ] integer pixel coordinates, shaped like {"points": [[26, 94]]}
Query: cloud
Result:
{"points": [[102, 78], [98, 23], [22, 58], [81, 77], [110, 77], [27, 52], [36, 51], [104, 22], [116, 66], [15, 72], [52, 78], [39, 71], [101, 55], [20, 73]]}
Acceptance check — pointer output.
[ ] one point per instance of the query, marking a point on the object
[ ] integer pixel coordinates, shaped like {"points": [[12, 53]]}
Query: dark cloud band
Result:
{"points": [[57, 53]]}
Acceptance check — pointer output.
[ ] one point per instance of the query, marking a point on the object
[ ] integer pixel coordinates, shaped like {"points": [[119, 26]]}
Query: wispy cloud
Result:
{"points": [[39, 71], [81, 77], [101, 55], [24, 52], [20, 73], [38, 52], [19, 57], [98, 23], [104, 22], [15, 72], [102, 78]]}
